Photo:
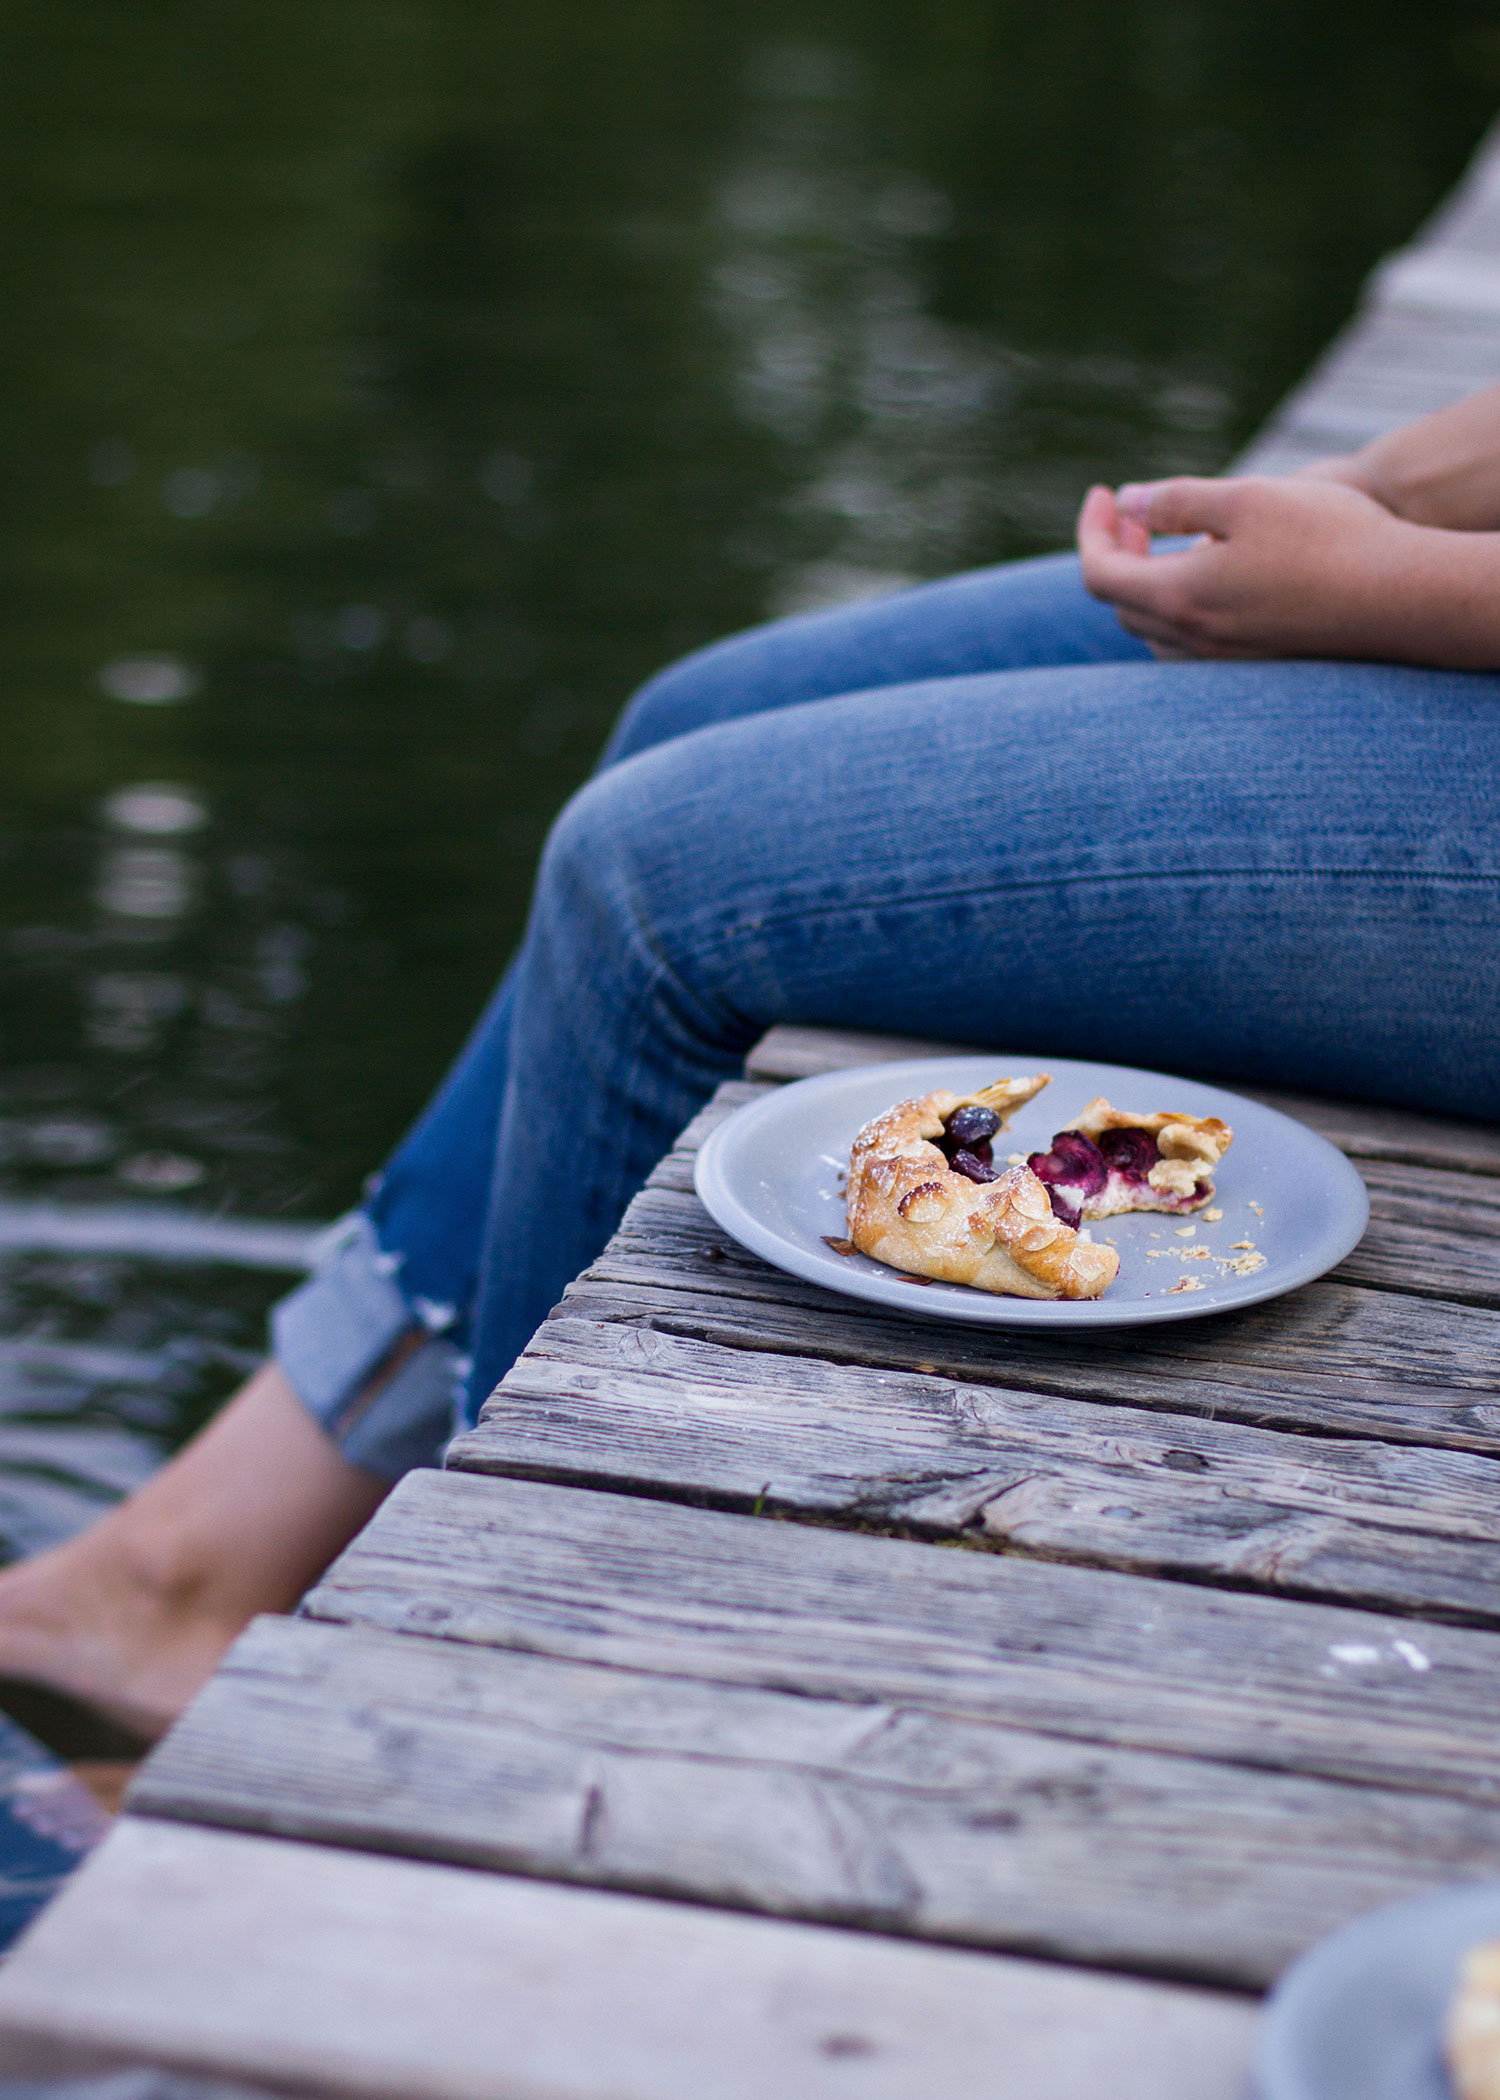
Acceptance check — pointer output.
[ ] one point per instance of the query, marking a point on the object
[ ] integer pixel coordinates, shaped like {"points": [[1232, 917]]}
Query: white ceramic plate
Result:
{"points": [[1360, 2016], [772, 1175]]}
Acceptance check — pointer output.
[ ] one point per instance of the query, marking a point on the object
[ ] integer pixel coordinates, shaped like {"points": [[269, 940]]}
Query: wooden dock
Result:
{"points": [[780, 1698]]}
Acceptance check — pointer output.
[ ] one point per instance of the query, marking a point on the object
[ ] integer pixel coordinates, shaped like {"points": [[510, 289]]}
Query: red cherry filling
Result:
{"points": [[1072, 1171], [1076, 1169]]}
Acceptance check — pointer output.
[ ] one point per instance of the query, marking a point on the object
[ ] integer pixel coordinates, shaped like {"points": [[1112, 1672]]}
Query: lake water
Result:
{"points": [[388, 387]]}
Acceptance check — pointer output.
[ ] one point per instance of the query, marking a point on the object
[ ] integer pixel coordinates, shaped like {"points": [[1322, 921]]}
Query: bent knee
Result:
{"points": [[596, 843]]}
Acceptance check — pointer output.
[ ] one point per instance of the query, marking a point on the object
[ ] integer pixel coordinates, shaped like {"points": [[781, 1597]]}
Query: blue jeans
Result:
{"points": [[976, 810]]}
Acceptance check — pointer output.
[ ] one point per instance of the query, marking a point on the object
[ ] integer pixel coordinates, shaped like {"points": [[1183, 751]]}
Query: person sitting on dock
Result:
{"points": [[1232, 808]]}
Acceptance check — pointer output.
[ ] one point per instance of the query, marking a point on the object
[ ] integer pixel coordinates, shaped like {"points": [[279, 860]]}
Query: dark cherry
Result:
{"points": [[1062, 1208], [1131, 1153], [1075, 1163], [973, 1167], [971, 1123]]}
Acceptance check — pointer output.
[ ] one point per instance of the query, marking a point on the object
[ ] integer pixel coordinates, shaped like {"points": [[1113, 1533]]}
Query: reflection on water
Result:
{"points": [[386, 392]]}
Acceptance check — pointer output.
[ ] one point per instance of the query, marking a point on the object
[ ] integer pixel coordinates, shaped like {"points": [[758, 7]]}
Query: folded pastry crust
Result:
{"points": [[908, 1208], [1190, 1147], [1471, 2036]]}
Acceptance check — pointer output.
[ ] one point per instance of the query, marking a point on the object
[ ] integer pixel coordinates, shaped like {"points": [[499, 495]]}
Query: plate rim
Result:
{"points": [[1094, 1316]]}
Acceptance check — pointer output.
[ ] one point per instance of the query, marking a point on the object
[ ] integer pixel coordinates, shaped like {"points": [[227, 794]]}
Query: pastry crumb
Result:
{"points": [[1187, 1232], [1187, 1283], [1015, 1159], [1153, 1253], [1212, 1217], [1247, 1245], [1246, 1264], [1258, 1210]]}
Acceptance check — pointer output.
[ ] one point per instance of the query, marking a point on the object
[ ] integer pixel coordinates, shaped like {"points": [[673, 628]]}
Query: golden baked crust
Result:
{"points": [[908, 1208], [1471, 2035]]}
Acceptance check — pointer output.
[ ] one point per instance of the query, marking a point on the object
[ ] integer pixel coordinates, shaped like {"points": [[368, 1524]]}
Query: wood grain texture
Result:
{"points": [[1332, 1357], [395, 1979], [1087, 1653], [1432, 1231], [599, 1403], [905, 1820], [1364, 1132]]}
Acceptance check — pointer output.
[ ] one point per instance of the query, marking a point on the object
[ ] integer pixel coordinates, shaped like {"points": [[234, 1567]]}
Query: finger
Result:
{"points": [[1190, 503], [1108, 559], [1139, 582], [1174, 645], [1161, 634], [1098, 519], [1135, 537]]}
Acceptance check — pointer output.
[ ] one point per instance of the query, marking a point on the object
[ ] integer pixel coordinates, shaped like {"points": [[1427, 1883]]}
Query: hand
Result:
{"points": [[1281, 569]]}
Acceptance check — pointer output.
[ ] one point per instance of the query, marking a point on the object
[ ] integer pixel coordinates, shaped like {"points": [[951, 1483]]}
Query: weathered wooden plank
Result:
{"points": [[1394, 363], [1432, 1232], [908, 1821], [1081, 1652], [600, 1404], [395, 1979], [1330, 1358], [1363, 1131]]}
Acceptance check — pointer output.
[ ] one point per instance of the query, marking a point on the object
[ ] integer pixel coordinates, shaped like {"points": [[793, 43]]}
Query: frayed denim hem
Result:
{"points": [[331, 1335]]}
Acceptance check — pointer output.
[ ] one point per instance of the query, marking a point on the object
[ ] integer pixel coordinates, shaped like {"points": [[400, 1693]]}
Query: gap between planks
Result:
{"points": [[600, 1404], [1330, 1359], [1086, 1653], [898, 1818]]}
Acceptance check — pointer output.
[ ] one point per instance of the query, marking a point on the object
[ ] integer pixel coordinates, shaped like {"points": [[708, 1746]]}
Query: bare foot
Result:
{"points": [[133, 1615], [86, 1619]]}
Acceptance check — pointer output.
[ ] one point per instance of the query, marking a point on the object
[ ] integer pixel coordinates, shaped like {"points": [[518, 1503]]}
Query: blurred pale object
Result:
{"points": [[147, 882], [150, 681], [158, 808], [165, 1172]]}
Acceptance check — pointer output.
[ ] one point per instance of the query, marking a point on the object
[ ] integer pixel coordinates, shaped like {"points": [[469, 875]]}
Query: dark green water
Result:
{"points": [[386, 388]]}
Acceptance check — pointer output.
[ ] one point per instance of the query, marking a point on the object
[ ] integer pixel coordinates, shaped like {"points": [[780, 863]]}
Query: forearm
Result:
{"points": [[1442, 470], [1439, 602]]}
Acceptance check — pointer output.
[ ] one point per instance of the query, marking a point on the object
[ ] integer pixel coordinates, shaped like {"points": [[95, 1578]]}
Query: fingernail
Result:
{"points": [[1134, 499]]}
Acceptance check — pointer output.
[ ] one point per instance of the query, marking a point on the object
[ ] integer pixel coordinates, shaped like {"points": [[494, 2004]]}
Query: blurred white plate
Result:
{"points": [[772, 1175], [1360, 2016]]}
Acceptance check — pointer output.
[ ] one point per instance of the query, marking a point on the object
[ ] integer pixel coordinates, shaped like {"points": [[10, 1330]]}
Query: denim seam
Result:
{"points": [[1197, 876]]}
